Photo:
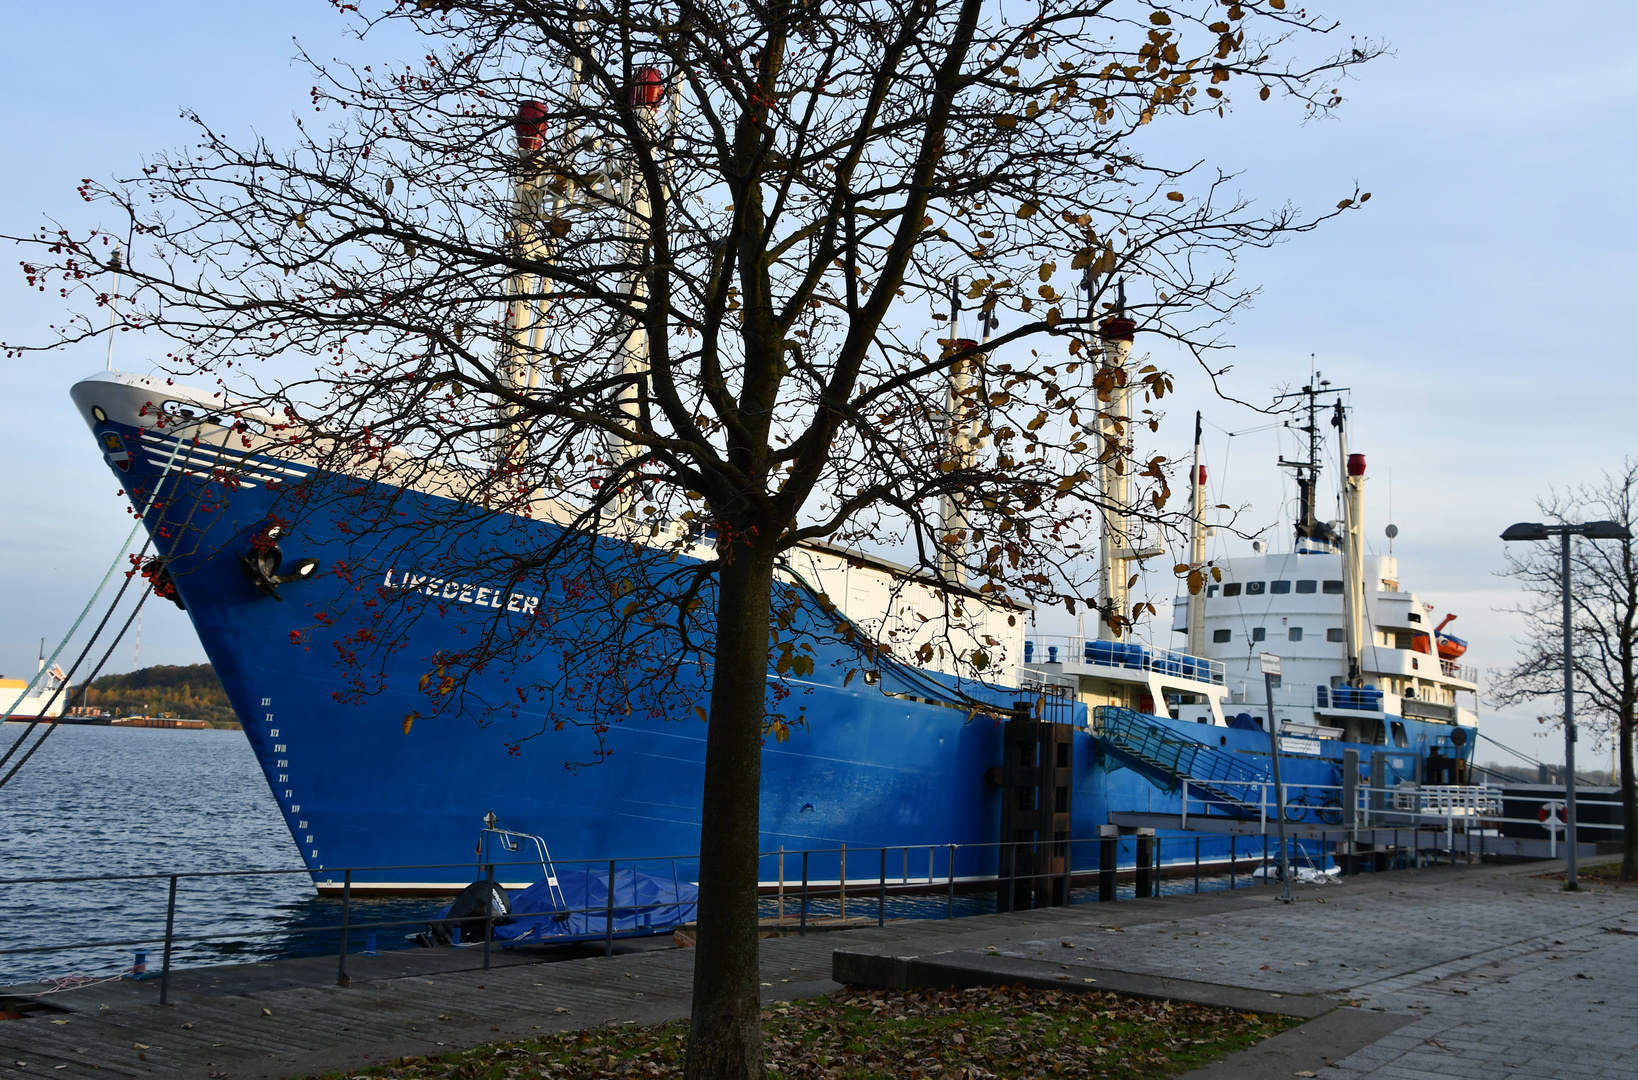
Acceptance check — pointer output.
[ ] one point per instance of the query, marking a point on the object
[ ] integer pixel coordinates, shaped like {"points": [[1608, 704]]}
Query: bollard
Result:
{"points": [[369, 945], [139, 966], [1144, 867], [1108, 855], [802, 931], [455, 935]]}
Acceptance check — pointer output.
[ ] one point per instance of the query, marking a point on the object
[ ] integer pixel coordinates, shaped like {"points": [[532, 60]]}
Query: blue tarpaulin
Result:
{"points": [[643, 904]]}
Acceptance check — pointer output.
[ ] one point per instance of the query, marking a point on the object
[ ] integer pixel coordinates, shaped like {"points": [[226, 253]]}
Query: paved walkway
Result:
{"points": [[1486, 973], [1450, 972]]}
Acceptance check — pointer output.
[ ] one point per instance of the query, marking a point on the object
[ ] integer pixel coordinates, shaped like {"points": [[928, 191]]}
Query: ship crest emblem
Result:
{"points": [[113, 448]]}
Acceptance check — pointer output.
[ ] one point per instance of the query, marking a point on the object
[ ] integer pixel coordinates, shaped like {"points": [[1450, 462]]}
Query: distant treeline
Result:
{"points": [[1514, 773], [191, 692]]}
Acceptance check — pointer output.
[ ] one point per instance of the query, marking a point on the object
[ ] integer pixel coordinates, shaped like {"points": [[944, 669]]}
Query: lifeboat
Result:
{"points": [[1450, 646]]}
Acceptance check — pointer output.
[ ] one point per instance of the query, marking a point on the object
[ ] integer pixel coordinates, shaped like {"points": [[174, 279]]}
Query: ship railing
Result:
{"points": [[1168, 748], [1465, 672], [1122, 656], [1360, 698]]}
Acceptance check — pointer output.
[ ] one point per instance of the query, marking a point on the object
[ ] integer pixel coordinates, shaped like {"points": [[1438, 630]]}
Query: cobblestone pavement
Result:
{"points": [[1509, 975]]}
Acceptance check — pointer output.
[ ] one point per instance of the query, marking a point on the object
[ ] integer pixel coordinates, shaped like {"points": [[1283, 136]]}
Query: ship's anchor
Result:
{"points": [[156, 571], [262, 564]]}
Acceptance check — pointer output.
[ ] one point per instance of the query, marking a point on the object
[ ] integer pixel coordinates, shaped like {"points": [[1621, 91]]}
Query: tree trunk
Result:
{"points": [[725, 1029], [1629, 803]]}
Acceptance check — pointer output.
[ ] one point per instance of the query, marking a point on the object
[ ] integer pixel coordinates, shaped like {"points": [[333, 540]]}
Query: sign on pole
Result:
{"points": [[1271, 663]]}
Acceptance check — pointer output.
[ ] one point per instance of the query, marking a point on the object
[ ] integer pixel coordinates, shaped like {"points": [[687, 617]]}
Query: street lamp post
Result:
{"points": [[1592, 530]]}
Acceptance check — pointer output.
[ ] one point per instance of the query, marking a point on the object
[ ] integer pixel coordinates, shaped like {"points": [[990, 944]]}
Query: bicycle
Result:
{"points": [[1327, 809]]}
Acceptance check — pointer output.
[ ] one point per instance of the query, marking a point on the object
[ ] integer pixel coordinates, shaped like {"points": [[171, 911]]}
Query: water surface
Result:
{"points": [[108, 800]]}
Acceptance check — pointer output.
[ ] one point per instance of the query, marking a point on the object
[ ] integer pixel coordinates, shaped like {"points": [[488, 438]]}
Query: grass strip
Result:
{"points": [[971, 1034], [1606, 873]]}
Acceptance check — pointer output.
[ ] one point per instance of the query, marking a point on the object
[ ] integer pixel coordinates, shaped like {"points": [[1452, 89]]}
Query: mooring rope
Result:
{"points": [[106, 578], [68, 680], [54, 726]]}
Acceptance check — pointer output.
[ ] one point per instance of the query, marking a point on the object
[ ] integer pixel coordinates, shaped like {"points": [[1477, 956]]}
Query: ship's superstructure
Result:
{"points": [[1292, 605], [40, 697], [1361, 660]]}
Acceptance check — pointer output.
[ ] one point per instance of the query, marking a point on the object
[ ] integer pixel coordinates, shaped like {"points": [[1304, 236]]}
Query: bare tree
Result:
{"points": [[1603, 628], [679, 280]]}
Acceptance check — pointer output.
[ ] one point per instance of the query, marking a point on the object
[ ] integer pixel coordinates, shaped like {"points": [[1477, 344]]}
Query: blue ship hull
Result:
{"points": [[894, 765]]}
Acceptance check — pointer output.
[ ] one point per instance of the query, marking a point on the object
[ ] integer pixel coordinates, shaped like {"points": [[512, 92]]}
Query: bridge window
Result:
{"points": [[1220, 636], [1334, 634], [1307, 586], [1258, 633], [1281, 586], [1231, 589], [1333, 588], [1254, 588], [1211, 590], [1295, 633]]}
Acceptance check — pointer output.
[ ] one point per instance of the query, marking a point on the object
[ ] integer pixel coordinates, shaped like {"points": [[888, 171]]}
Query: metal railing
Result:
{"points": [[1465, 672], [609, 909], [953, 872], [1171, 750], [1122, 655], [1407, 826], [1407, 803]]}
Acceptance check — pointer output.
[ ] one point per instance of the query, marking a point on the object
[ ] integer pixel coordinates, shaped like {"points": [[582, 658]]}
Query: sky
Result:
{"points": [[1479, 307]]}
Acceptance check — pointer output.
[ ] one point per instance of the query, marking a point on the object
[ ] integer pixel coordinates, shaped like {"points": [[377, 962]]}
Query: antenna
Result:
{"points": [[1307, 472], [115, 262]]}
